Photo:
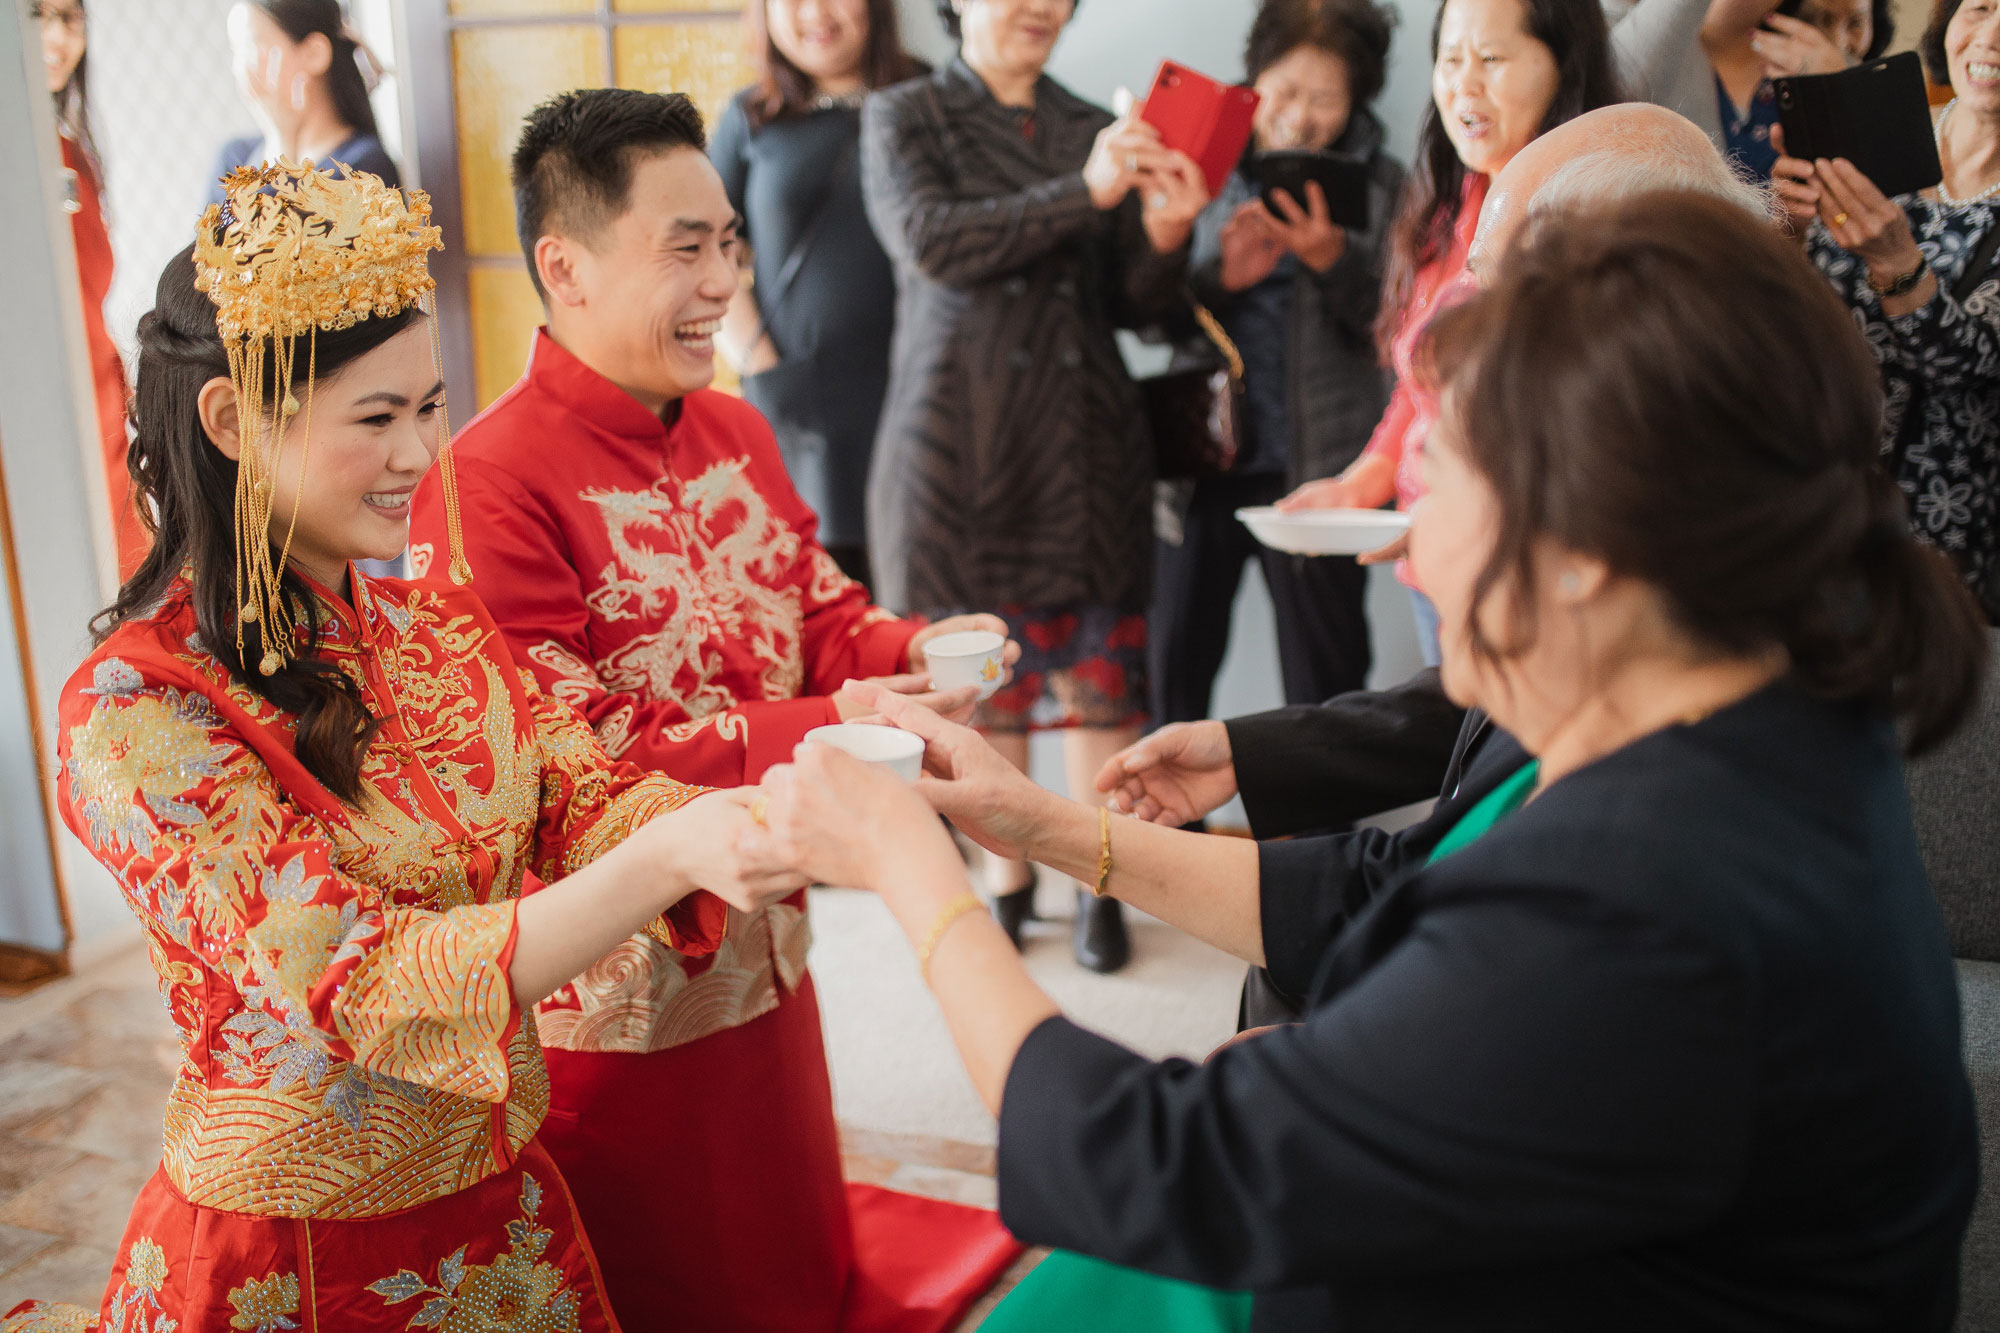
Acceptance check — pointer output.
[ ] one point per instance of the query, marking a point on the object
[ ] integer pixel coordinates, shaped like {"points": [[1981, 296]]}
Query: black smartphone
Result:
{"points": [[1877, 116], [1344, 180]]}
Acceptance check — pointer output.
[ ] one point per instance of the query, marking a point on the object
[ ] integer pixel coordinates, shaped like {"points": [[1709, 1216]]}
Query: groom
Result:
{"points": [[636, 538]]}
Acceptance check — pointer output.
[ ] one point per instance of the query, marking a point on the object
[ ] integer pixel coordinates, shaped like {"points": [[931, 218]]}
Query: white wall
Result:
{"points": [[164, 102], [59, 523]]}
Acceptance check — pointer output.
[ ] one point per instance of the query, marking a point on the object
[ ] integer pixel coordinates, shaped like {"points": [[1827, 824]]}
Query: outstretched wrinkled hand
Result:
{"points": [[830, 818], [966, 780], [1178, 775]]}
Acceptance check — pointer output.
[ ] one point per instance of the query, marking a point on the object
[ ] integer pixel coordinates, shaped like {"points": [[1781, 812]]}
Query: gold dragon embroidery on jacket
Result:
{"points": [[713, 559]]}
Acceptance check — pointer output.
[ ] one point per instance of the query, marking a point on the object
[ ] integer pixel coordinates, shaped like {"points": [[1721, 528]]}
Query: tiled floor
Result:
{"points": [[85, 1064]]}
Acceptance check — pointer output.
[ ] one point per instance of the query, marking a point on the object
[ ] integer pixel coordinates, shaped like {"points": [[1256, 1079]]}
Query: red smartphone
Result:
{"points": [[1207, 120]]}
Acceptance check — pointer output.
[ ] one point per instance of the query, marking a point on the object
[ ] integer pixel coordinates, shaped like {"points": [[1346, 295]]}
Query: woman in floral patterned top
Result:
{"points": [[1901, 264], [326, 855]]}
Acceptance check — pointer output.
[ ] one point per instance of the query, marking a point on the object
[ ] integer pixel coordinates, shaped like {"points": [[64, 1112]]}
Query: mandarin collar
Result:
{"points": [[341, 623], [556, 372]]}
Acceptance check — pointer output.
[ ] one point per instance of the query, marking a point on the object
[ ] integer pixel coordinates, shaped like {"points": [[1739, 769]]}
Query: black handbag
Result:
{"points": [[1196, 415]]}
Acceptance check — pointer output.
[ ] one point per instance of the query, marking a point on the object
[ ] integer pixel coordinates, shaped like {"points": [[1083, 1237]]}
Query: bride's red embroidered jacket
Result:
{"points": [[338, 972], [663, 576]]}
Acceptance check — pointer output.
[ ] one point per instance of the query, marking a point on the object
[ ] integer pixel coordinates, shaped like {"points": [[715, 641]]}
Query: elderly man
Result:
{"points": [[637, 539], [1320, 766]]}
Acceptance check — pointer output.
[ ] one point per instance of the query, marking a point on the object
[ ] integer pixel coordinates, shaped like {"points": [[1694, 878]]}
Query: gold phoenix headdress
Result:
{"points": [[292, 252]]}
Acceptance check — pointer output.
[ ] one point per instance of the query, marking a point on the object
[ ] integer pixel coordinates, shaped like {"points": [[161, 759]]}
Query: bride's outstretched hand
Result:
{"points": [[968, 781], [833, 818]]}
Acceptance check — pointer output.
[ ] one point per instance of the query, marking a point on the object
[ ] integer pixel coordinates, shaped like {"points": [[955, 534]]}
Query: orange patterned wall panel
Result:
{"points": [[708, 59], [519, 8], [501, 74], [505, 314], [677, 6]]}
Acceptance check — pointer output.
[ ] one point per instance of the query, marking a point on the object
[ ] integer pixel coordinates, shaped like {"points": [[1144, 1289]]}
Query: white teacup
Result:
{"points": [[901, 752], [970, 657]]}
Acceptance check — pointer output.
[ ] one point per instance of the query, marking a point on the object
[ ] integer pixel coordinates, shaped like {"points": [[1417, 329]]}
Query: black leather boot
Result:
{"points": [[1014, 910], [1099, 939]]}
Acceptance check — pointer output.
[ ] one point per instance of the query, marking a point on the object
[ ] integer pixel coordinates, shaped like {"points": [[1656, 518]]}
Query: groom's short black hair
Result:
{"points": [[573, 166]]}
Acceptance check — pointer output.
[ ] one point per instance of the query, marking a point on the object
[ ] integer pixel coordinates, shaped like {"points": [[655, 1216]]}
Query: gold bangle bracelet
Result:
{"points": [[1103, 850], [958, 907]]}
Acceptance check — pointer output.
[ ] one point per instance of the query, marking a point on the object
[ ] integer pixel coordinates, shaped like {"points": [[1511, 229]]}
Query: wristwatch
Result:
{"points": [[1901, 285]]}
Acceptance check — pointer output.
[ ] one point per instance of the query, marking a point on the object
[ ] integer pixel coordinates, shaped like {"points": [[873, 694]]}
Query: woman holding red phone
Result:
{"points": [[1013, 469]]}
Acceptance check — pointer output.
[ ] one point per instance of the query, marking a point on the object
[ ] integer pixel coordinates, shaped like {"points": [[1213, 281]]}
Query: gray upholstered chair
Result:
{"points": [[1955, 795]]}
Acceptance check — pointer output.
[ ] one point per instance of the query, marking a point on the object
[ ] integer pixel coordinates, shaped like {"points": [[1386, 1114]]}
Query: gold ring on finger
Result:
{"points": [[1840, 219], [758, 805]]}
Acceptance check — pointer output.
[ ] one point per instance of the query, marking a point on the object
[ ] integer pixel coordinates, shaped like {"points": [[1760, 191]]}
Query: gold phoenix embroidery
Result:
{"points": [[516, 1293]]}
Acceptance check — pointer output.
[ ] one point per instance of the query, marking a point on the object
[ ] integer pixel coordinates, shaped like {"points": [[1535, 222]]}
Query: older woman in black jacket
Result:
{"points": [[1012, 469], [1297, 294], [1653, 1024]]}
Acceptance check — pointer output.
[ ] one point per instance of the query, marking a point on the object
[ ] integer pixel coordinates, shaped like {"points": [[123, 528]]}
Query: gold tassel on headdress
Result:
{"points": [[295, 251]]}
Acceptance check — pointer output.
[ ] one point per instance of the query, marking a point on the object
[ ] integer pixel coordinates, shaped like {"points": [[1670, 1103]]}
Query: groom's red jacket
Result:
{"points": [[663, 578]]}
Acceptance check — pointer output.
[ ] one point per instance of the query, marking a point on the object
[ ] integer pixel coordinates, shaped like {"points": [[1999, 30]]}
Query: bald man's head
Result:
{"points": [[1611, 153]]}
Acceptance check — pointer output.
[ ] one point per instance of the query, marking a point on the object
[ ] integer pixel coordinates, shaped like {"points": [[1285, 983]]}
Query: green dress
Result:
{"points": [[1070, 1291]]}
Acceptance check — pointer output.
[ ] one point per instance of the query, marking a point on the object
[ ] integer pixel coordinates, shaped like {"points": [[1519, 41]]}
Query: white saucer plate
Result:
{"points": [[1325, 531]]}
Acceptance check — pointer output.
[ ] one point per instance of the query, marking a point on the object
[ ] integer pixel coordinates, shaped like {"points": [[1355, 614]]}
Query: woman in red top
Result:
{"points": [[63, 56], [1503, 72]]}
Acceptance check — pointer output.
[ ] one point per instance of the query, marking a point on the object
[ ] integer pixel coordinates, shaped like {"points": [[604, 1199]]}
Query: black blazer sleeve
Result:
{"points": [[1318, 766], [1527, 1075]]}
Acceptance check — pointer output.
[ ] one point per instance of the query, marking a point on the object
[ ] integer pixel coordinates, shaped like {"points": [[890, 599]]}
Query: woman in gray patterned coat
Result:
{"points": [[1012, 469], [1905, 267]]}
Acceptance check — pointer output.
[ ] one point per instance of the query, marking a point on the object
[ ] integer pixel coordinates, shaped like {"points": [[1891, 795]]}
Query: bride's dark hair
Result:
{"points": [[186, 490]]}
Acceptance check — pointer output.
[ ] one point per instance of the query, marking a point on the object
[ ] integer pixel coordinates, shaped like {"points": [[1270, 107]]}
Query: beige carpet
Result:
{"points": [[894, 1068]]}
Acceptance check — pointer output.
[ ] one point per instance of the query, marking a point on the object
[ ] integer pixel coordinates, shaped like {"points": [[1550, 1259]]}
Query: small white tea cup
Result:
{"points": [[970, 657], [901, 752]]}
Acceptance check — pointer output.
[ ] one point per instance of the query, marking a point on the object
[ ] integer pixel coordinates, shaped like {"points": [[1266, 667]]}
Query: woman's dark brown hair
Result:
{"points": [[1931, 44], [186, 489], [1667, 385], [1354, 31], [346, 85], [1574, 33], [783, 89]]}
